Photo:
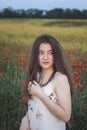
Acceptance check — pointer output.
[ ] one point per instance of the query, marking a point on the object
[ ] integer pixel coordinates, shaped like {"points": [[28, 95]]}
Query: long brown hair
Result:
{"points": [[58, 66]]}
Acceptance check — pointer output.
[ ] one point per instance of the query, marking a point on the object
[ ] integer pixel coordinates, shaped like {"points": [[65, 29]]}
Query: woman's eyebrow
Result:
{"points": [[50, 50], [44, 50]]}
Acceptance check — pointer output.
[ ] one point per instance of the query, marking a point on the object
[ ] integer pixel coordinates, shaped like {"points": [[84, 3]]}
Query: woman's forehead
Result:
{"points": [[45, 46]]}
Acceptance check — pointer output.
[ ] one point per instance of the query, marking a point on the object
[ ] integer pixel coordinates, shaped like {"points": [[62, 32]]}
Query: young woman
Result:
{"points": [[48, 86]]}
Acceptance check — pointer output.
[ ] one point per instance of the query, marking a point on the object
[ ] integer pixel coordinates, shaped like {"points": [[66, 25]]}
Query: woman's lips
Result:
{"points": [[45, 63]]}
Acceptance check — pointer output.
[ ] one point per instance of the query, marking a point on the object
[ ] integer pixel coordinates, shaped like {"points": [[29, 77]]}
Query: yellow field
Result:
{"points": [[24, 31]]}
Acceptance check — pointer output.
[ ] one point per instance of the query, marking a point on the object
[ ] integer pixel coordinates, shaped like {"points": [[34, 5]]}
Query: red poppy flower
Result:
{"points": [[76, 73], [22, 83], [23, 99], [24, 62], [79, 85]]}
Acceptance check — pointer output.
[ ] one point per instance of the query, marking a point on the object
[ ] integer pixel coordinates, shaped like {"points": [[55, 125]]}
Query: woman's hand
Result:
{"points": [[35, 89]]}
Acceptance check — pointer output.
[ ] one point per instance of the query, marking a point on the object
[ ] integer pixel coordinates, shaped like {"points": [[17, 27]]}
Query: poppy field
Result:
{"points": [[16, 38]]}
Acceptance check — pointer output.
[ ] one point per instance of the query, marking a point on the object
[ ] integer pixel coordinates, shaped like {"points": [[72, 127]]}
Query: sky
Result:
{"points": [[43, 4]]}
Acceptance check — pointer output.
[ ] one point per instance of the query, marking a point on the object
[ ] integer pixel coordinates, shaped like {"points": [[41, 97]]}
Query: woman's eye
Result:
{"points": [[50, 52], [40, 53]]}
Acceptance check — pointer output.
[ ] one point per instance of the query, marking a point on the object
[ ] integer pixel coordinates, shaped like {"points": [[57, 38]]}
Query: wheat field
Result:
{"points": [[70, 33]]}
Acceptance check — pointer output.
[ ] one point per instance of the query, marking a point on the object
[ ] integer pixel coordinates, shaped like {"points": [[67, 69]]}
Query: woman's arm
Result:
{"points": [[62, 89], [25, 123]]}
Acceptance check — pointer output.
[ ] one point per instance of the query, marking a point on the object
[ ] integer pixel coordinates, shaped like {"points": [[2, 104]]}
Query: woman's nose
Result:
{"points": [[45, 56]]}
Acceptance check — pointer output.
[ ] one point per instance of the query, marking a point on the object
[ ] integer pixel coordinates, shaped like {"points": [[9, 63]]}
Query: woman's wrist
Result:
{"points": [[43, 98]]}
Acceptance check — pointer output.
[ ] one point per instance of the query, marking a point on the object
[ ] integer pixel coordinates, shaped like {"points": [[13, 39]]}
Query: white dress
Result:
{"points": [[40, 117]]}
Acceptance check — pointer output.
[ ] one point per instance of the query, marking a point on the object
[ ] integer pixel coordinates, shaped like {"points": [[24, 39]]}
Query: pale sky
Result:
{"points": [[44, 4]]}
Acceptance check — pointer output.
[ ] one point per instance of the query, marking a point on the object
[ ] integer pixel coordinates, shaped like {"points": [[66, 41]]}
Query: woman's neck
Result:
{"points": [[47, 72], [45, 76]]}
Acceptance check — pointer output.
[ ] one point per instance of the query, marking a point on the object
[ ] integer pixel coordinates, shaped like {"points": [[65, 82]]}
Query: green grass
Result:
{"points": [[22, 32]]}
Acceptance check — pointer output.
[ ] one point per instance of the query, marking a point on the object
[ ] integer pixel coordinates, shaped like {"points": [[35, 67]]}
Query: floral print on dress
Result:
{"points": [[31, 108], [39, 115], [53, 98]]}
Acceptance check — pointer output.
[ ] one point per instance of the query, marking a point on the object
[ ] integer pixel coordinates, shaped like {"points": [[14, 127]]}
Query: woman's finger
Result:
{"points": [[29, 86], [35, 83]]}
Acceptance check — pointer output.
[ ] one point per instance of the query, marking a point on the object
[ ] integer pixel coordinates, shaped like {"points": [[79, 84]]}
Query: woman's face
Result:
{"points": [[45, 56]]}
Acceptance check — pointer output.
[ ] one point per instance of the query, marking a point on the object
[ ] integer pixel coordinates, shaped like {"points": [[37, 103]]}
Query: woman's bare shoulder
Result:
{"points": [[59, 75]]}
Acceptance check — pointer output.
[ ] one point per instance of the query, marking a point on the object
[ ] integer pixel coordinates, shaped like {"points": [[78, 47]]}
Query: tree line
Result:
{"points": [[57, 13]]}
